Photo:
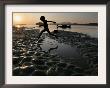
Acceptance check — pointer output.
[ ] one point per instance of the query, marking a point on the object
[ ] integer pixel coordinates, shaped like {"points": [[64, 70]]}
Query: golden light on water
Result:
{"points": [[18, 26]]}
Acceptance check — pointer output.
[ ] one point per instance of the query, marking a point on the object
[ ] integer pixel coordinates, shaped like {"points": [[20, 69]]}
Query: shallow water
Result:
{"points": [[90, 30], [61, 49]]}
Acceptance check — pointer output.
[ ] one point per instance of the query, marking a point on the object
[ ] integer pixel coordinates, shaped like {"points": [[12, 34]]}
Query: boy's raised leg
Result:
{"points": [[40, 34]]}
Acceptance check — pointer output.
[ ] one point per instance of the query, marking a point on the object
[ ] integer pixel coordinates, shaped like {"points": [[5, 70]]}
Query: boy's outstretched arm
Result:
{"points": [[51, 21]]}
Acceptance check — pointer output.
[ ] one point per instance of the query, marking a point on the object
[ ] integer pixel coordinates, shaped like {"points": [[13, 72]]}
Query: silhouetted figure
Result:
{"points": [[45, 24]]}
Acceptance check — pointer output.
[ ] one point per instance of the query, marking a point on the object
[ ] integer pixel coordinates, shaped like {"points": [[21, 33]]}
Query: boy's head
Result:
{"points": [[42, 18]]}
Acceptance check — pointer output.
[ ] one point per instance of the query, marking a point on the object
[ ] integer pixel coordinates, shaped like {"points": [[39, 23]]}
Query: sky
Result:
{"points": [[73, 17]]}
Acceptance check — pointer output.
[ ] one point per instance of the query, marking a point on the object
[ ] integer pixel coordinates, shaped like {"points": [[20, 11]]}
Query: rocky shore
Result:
{"points": [[30, 60]]}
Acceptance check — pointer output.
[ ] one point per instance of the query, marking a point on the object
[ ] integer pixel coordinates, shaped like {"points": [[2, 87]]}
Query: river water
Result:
{"points": [[90, 30]]}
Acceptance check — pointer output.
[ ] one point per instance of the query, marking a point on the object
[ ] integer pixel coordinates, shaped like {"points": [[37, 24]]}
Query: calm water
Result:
{"points": [[90, 30], [60, 49]]}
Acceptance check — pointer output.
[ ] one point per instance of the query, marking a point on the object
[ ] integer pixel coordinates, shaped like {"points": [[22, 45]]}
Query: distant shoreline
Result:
{"points": [[89, 24]]}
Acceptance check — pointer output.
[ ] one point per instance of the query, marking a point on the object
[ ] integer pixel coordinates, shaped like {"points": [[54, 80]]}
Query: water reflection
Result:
{"points": [[61, 49]]}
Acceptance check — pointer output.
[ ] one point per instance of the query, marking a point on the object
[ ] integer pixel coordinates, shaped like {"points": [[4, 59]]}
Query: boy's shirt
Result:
{"points": [[45, 24]]}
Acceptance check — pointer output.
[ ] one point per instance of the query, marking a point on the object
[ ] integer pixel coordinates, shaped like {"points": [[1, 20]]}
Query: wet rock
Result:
{"points": [[78, 74], [56, 59], [51, 63], [37, 53], [21, 57], [53, 55], [42, 67], [46, 58], [16, 71], [52, 71], [71, 67], [26, 59], [46, 55], [38, 61], [27, 64], [90, 70], [30, 52], [62, 65], [95, 72], [16, 53], [16, 60], [69, 70], [41, 57], [59, 70], [78, 69], [38, 73], [27, 70], [95, 60]]}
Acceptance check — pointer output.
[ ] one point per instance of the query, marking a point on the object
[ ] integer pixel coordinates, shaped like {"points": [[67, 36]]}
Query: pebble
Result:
{"points": [[38, 73], [38, 61]]}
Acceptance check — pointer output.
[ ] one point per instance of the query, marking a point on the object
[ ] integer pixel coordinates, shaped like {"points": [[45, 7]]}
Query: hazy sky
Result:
{"points": [[74, 17]]}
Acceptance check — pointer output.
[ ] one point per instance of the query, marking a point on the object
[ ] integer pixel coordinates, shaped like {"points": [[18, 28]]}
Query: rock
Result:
{"points": [[69, 70], [38, 73], [71, 67], [42, 67], [59, 70], [78, 70], [38, 61], [30, 52], [37, 53], [26, 59], [27, 64], [53, 55], [62, 65], [55, 59], [16, 71], [95, 72], [27, 70], [16, 60], [52, 71], [52, 63], [46, 55], [78, 74], [16, 52]]}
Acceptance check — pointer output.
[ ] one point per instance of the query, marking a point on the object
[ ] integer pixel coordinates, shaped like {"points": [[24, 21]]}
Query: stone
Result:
{"points": [[27, 70], [62, 65], [38, 61], [52, 71], [38, 73]]}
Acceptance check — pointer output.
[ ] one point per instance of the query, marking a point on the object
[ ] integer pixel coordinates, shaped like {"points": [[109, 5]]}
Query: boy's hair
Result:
{"points": [[42, 18]]}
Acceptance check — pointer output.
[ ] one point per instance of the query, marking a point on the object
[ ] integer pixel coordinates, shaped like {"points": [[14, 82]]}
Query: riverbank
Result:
{"points": [[30, 60]]}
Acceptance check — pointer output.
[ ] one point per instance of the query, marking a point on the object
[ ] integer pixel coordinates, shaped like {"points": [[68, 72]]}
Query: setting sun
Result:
{"points": [[17, 18]]}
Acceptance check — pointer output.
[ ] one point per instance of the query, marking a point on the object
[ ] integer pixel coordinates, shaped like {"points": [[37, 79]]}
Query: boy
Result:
{"points": [[45, 24]]}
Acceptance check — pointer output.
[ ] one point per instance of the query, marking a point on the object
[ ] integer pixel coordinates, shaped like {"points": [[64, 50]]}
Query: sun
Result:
{"points": [[17, 18]]}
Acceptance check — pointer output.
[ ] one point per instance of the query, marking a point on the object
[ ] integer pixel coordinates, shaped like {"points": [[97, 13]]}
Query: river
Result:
{"points": [[85, 29]]}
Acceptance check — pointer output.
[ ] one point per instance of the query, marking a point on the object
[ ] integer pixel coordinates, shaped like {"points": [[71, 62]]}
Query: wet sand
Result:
{"points": [[71, 54]]}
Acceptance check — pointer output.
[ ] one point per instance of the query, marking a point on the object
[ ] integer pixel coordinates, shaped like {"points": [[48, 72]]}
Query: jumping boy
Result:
{"points": [[45, 24]]}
